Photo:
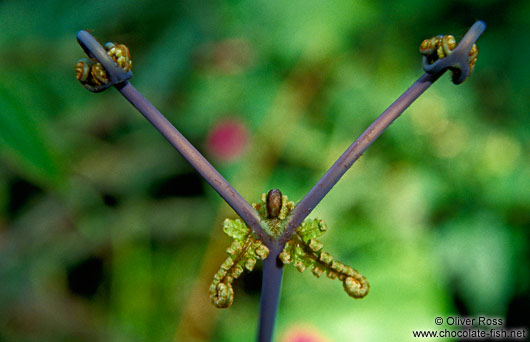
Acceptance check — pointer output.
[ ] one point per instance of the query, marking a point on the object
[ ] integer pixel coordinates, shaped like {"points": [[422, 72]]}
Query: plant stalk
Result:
{"points": [[346, 160], [194, 157], [270, 293]]}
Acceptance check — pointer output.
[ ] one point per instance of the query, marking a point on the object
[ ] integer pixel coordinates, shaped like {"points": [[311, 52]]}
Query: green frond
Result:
{"points": [[236, 229], [304, 251], [243, 254]]}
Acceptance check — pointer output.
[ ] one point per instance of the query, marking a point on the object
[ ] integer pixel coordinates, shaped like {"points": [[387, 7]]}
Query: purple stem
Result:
{"points": [[271, 271], [270, 293], [345, 161], [119, 79], [458, 62], [194, 157]]}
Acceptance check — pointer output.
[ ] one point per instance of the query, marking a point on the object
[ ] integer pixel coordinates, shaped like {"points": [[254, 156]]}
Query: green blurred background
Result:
{"points": [[107, 234]]}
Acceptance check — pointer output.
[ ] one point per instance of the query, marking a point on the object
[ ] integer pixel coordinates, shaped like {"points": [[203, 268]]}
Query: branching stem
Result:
{"points": [[272, 267]]}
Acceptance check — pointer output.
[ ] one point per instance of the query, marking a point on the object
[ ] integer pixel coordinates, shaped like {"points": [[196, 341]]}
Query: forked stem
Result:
{"points": [[272, 267]]}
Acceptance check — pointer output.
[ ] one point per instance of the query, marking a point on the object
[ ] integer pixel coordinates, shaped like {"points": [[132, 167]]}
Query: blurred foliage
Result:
{"points": [[107, 234]]}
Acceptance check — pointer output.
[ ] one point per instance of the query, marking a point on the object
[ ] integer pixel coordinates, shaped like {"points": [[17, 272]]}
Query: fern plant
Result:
{"points": [[276, 230]]}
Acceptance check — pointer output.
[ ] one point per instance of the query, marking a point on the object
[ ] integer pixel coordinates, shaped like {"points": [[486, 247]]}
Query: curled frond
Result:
{"points": [[82, 69], [440, 47], [93, 75], [304, 251], [98, 75], [120, 54], [473, 55], [243, 253]]}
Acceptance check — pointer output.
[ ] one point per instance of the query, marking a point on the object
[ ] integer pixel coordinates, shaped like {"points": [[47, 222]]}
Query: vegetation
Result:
{"points": [[106, 233]]}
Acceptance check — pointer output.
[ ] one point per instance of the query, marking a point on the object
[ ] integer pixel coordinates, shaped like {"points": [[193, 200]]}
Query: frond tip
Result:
{"points": [[304, 251], [440, 47], [243, 253], [93, 76]]}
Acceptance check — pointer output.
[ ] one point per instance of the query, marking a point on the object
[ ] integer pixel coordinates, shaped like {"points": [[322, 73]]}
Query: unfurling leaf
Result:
{"points": [[304, 251], [247, 248], [243, 254]]}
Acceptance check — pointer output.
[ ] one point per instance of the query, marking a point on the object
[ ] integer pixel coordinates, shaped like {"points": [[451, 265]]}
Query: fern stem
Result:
{"points": [[194, 157], [457, 62], [270, 293], [119, 79], [346, 160]]}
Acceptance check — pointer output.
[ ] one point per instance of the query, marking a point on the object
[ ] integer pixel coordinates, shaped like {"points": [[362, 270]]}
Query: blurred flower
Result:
{"points": [[227, 139], [303, 333]]}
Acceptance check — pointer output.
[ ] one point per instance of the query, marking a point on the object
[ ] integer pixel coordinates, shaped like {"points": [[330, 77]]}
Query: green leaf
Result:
{"points": [[243, 254], [236, 229], [21, 137], [311, 229], [304, 251]]}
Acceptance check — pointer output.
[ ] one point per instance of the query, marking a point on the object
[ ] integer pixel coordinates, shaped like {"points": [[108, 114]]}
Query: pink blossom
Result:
{"points": [[227, 139], [303, 333]]}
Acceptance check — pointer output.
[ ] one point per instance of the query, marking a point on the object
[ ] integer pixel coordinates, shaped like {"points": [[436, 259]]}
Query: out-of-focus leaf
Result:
{"points": [[310, 28], [478, 252], [22, 140]]}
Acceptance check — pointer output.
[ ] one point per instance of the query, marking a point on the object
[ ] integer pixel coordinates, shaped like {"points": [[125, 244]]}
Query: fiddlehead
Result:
{"points": [[440, 47], [274, 210], [247, 248], [120, 54], [243, 254], [93, 75]]}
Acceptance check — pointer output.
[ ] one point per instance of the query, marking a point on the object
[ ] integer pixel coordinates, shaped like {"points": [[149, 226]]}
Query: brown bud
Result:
{"points": [[274, 203]]}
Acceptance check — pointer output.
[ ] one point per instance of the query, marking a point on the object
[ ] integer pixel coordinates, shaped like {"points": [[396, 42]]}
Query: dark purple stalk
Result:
{"points": [[271, 271], [457, 61], [194, 157], [458, 64], [270, 293], [119, 79], [346, 160]]}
